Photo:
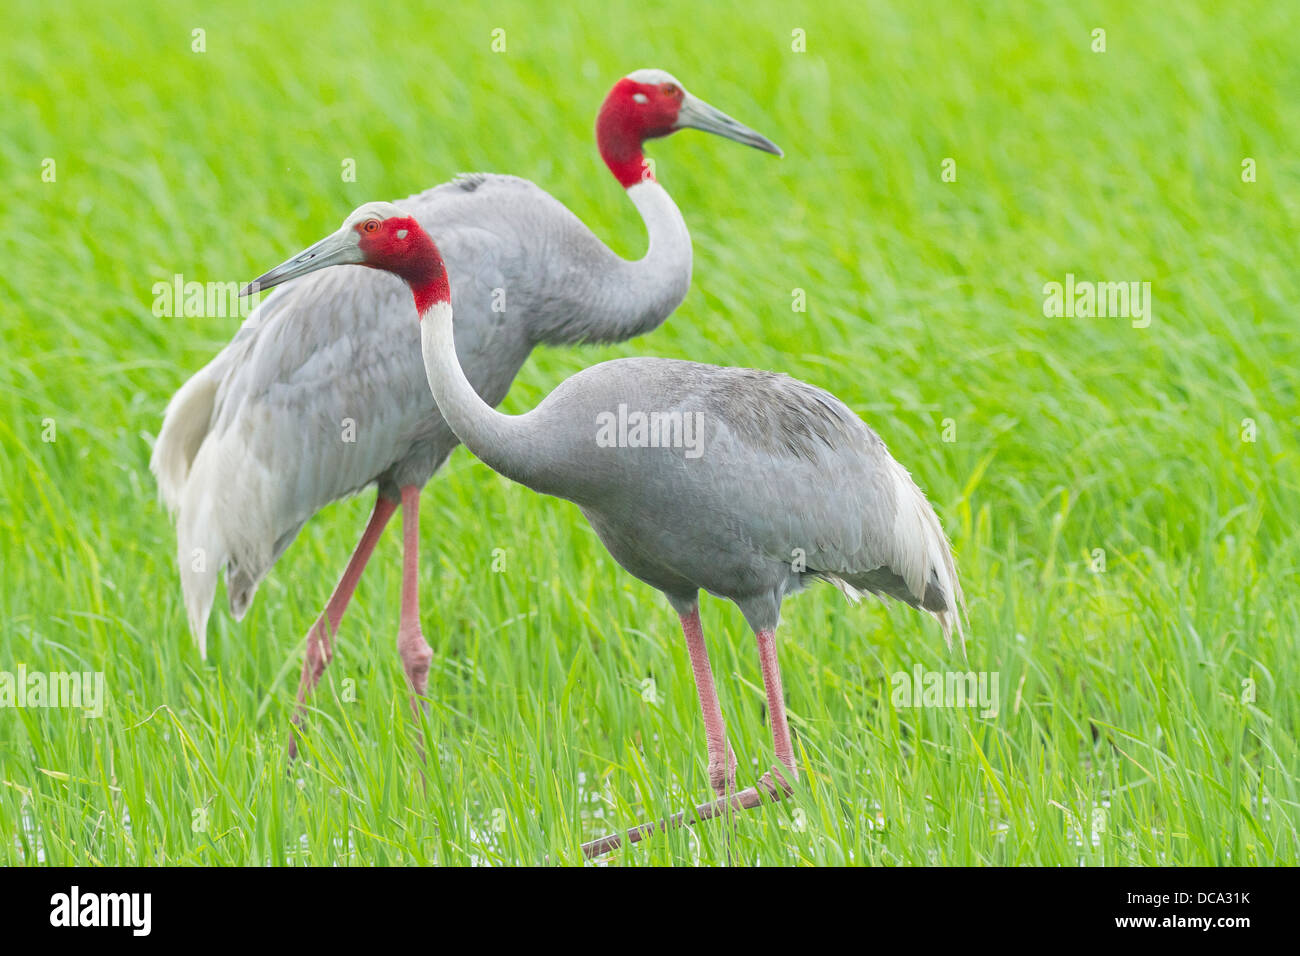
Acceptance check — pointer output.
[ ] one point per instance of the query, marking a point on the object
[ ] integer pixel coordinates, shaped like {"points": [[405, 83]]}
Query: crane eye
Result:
{"points": [[371, 225], [670, 89]]}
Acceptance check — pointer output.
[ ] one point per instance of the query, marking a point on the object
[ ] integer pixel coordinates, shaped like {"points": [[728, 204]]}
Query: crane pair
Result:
{"points": [[785, 486]]}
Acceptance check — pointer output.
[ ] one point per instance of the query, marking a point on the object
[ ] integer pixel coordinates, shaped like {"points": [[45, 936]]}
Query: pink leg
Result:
{"points": [[722, 762], [776, 708], [415, 650], [319, 639]]}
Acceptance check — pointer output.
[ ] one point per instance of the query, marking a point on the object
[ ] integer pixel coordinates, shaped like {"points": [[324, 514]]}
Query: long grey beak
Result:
{"points": [[336, 249], [697, 114]]}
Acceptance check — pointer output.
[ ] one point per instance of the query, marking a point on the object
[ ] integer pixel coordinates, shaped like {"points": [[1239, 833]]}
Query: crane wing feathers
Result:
{"points": [[786, 474], [857, 515]]}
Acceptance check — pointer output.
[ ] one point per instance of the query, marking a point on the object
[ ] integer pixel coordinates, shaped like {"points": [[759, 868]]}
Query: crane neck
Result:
{"points": [[656, 283], [670, 240], [497, 439], [614, 299]]}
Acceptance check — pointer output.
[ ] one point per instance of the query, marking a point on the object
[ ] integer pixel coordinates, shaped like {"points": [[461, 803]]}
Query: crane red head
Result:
{"points": [[648, 104], [378, 235]]}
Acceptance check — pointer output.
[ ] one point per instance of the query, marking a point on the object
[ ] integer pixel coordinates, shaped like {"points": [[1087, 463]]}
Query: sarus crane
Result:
{"points": [[321, 393], [788, 485]]}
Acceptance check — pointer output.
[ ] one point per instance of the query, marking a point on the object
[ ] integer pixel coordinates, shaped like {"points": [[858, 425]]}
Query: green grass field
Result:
{"points": [[1121, 499]]}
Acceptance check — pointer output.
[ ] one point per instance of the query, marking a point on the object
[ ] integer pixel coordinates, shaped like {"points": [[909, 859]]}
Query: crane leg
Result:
{"points": [[415, 650], [776, 709], [320, 650], [722, 762]]}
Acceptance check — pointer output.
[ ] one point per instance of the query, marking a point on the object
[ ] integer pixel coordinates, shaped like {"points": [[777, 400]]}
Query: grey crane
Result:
{"points": [[785, 484], [321, 392]]}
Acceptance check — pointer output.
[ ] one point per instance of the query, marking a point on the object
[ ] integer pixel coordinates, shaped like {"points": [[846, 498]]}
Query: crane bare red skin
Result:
{"points": [[624, 124], [398, 245]]}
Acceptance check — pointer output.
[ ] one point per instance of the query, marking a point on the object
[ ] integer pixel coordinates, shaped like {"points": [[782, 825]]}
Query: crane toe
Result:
{"points": [[775, 784], [722, 776], [417, 655]]}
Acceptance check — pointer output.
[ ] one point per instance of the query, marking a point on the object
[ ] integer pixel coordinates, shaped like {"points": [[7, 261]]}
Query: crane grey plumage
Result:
{"points": [[253, 445], [785, 485]]}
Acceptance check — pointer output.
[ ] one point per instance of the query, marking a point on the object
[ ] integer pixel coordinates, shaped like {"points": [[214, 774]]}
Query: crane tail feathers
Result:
{"points": [[919, 568], [929, 567], [938, 587], [185, 424], [214, 532], [221, 499], [199, 562]]}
